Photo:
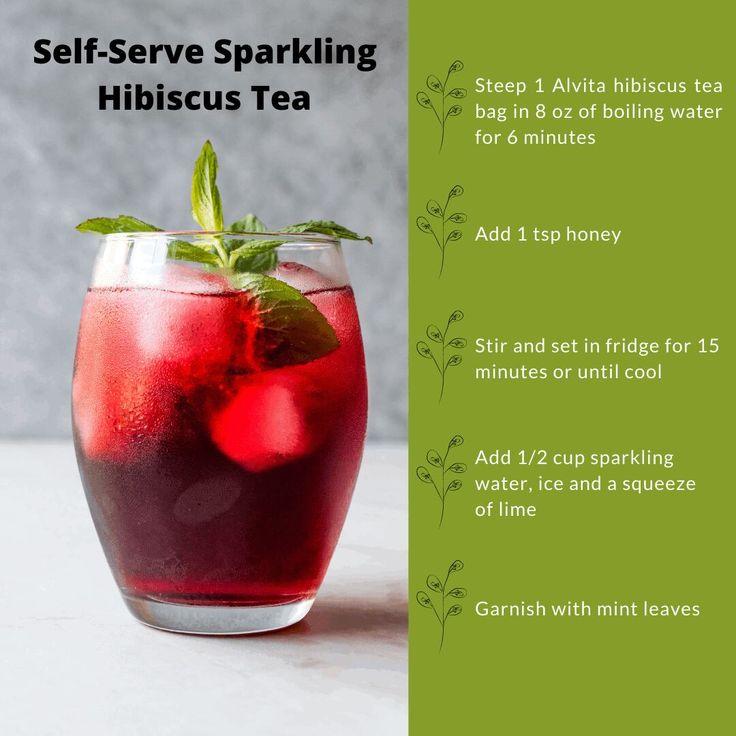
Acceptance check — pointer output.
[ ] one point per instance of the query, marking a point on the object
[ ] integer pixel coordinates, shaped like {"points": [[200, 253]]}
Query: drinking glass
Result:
{"points": [[218, 474]]}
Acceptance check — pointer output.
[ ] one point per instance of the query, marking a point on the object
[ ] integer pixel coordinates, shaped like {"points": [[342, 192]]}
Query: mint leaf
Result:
{"points": [[292, 328], [256, 256], [184, 251], [249, 224], [254, 247], [206, 203], [256, 263], [325, 227], [119, 224]]}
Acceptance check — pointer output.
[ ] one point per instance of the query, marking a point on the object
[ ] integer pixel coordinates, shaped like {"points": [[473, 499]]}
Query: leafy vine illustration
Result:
{"points": [[440, 337], [441, 94], [436, 460], [436, 210], [441, 610]]}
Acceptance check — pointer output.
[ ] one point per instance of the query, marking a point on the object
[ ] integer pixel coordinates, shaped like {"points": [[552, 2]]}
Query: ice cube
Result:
{"points": [[125, 403], [302, 277], [202, 335], [274, 418], [192, 278]]}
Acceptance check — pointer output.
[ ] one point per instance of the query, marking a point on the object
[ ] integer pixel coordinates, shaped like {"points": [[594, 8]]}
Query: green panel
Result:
{"points": [[668, 188]]}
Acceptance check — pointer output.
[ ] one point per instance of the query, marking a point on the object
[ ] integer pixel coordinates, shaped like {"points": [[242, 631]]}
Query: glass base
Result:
{"points": [[216, 620]]}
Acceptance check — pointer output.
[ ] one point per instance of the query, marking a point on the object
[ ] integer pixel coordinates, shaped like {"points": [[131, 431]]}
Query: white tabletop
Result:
{"points": [[73, 661]]}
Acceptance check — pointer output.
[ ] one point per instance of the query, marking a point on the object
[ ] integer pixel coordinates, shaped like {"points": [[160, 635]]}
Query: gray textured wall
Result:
{"points": [[64, 161]]}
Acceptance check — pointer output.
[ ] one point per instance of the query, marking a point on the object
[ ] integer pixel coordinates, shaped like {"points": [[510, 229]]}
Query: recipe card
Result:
{"points": [[366, 368]]}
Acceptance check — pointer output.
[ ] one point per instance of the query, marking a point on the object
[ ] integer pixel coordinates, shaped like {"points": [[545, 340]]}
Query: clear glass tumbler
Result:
{"points": [[217, 458]]}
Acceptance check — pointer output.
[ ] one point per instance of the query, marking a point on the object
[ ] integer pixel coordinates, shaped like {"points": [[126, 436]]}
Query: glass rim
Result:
{"points": [[289, 239]]}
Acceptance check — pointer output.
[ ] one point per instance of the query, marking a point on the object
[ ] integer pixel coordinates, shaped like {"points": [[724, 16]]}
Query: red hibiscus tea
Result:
{"points": [[218, 457]]}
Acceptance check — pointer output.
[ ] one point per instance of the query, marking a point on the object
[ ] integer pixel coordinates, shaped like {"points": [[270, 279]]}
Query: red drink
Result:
{"points": [[215, 479]]}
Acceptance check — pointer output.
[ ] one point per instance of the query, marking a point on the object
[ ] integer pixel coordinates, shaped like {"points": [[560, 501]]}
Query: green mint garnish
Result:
{"points": [[295, 331], [119, 224], [325, 227], [259, 255], [206, 203], [249, 224], [185, 251], [255, 256], [236, 254]]}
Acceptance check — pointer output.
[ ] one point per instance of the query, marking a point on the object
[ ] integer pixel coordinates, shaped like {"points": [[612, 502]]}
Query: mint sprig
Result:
{"points": [[241, 256], [294, 330], [259, 255]]}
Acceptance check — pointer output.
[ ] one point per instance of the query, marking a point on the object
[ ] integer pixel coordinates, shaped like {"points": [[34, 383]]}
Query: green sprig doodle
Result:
{"points": [[442, 464], [442, 93], [443, 341], [442, 597], [294, 323], [447, 222]]}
